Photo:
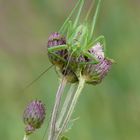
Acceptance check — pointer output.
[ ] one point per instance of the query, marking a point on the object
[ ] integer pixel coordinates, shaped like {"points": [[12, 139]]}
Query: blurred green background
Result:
{"points": [[109, 111]]}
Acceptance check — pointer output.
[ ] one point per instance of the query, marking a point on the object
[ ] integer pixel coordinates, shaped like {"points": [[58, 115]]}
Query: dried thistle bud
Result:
{"points": [[56, 39], [33, 116]]}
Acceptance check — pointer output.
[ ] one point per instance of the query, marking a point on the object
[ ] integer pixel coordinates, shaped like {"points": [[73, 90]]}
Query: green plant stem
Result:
{"points": [[52, 127], [71, 107], [26, 137], [65, 105]]}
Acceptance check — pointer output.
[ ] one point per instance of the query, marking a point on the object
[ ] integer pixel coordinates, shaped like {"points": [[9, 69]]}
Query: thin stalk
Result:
{"points": [[95, 19], [52, 130], [71, 107], [55, 109], [26, 137], [65, 105]]}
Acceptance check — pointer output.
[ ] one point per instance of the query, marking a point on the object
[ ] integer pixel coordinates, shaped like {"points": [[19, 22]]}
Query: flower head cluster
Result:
{"points": [[93, 73], [77, 54], [33, 116]]}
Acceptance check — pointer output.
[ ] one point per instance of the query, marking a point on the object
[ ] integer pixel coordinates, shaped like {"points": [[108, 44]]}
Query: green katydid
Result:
{"points": [[75, 54], [79, 38]]}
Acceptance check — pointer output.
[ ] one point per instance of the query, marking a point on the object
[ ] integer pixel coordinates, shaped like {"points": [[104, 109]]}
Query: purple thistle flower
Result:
{"points": [[94, 73], [98, 51], [56, 39], [34, 116]]}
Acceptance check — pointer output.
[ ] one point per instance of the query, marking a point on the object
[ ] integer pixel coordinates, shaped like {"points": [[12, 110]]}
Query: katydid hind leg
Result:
{"points": [[57, 48], [78, 14], [69, 31]]}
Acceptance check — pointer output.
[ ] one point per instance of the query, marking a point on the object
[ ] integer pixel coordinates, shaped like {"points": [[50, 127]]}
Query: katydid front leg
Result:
{"points": [[54, 49], [57, 48]]}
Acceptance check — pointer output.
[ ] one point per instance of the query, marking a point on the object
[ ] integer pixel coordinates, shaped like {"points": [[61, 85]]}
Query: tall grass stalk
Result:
{"points": [[71, 108], [66, 104]]}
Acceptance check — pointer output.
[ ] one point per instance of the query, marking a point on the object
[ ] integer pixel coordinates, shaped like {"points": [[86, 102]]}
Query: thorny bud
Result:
{"points": [[56, 39], [34, 116], [94, 73]]}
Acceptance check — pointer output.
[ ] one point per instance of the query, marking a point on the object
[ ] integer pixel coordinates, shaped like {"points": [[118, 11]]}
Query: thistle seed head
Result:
{"points": [[33, 116], [56, 39]]}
